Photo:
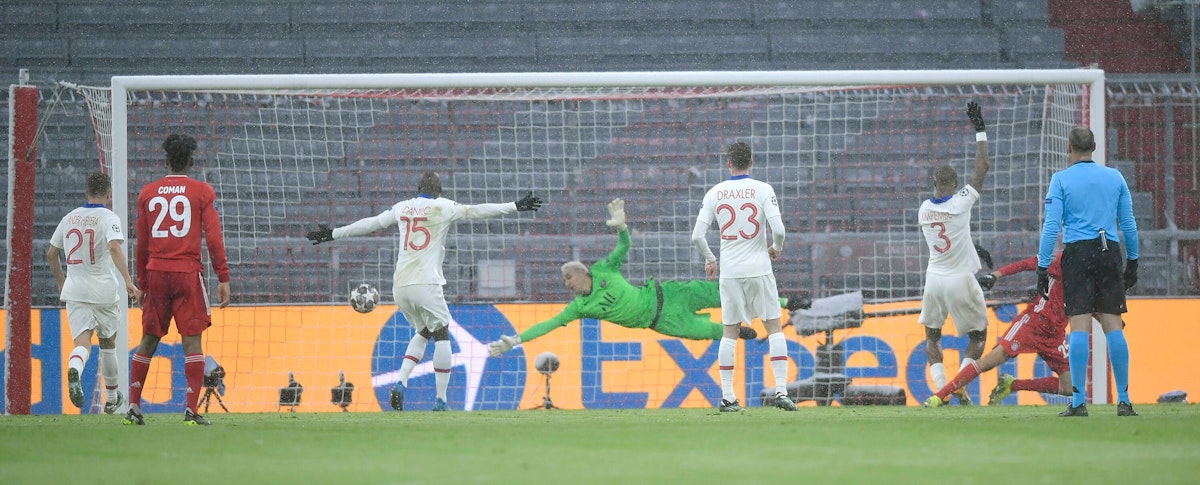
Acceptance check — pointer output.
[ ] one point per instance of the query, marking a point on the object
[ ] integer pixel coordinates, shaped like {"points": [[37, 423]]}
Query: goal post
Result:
{"points": [[847, 151]]}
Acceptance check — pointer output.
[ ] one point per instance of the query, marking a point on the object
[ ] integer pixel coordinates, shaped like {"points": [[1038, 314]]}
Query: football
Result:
{"points": [[364, 299]]}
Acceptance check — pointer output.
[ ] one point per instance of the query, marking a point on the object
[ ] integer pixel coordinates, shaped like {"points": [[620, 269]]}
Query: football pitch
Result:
{"points": [[815, 445]]}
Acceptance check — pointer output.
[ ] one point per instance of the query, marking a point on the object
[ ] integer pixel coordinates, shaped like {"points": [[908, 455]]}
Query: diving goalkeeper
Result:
{"points": [[669, 308]]}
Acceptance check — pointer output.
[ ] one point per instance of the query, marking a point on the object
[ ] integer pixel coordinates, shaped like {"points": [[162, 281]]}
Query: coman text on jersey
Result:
{"points": [[172, 189]]}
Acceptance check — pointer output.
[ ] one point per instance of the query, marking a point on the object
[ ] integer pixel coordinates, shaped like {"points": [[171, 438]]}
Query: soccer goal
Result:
{"points": [[848, 152]]}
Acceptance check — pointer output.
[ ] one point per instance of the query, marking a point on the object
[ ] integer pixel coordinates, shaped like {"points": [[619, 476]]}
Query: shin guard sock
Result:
{"points": [[412, 356], [938, 372], [193, 370], [779, 360], [725, 353], [108, 369], [964, 377], [1118, 357], [442, 361], [1047, 384], [78, 359], [138, 368]]}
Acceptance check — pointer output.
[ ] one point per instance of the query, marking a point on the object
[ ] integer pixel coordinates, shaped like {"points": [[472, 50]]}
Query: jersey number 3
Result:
{"points": [[179, 208], [941, 234], [733, 216]]}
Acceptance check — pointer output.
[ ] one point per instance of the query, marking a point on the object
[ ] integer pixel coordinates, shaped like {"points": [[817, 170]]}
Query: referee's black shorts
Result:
{"points": [[1093, 281]]}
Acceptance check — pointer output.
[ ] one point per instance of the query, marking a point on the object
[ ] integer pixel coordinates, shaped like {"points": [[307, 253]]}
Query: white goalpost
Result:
{"points": [[849, 153]]}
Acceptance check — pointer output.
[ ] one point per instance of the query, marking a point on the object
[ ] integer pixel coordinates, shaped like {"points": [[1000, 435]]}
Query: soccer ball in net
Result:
{"points": [[364, 299]]}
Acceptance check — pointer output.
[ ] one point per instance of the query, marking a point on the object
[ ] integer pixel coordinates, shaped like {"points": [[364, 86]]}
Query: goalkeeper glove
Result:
{"points": [[984, 256], [322, 234], [616, 215], [1130, 273], [529, 202], [986, 281], [976, 116], [505, 344], [1043, 288]]}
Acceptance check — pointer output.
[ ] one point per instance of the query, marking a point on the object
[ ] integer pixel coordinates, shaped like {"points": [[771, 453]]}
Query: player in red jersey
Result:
{"points": [[171, 214], [1040, 329]]}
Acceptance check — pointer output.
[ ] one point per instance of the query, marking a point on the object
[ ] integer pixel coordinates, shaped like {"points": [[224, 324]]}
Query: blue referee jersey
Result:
{"points": [[1083, 200]]}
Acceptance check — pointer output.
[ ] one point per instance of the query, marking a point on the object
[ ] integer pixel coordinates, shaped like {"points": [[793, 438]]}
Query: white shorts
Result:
{"points": [[957, 295], [101, 317], [424, 306], [744, 299]]}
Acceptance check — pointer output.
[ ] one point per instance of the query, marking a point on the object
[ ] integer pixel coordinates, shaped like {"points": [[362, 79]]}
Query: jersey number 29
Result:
{"points": [[180, 210]]}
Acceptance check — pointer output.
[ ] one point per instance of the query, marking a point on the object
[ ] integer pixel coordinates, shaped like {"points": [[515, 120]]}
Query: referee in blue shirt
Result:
{"points": [[1088, 203]]}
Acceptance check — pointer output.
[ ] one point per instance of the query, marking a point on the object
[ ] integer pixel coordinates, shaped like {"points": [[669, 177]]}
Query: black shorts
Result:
{"points": [[1092, 278]]}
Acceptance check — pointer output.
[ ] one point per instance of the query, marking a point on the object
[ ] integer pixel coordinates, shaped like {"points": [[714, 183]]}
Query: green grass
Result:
{"points": [[816, 445]]}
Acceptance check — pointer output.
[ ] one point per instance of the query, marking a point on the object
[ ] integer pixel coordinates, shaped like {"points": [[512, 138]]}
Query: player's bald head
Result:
{"points": [[431, 184], [945, 178], [1082, 140]]}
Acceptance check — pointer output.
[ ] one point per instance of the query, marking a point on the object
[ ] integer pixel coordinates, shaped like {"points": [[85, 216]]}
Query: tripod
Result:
{"points": [[210, 391], [546, 402]]}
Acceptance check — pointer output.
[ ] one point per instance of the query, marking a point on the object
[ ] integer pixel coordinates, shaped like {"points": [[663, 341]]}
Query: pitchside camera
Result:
{"points": [[342, 394], [289, 396]]}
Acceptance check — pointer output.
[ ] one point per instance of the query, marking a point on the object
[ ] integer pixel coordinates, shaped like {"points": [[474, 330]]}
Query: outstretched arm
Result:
{"points": [[617, 257], [506, 343], [981, 150]]}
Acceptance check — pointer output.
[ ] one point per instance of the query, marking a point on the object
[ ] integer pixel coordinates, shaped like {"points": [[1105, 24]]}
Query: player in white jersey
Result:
{"points": [[950, 285], [743, 208], [91, 236], [417, 282]]}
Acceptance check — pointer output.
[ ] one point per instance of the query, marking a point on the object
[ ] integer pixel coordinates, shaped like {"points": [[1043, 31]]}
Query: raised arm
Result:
{"points": [[981, 150]]}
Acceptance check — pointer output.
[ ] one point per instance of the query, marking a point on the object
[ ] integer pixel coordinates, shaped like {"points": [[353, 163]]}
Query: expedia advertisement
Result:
{"points": [[602, 366]]}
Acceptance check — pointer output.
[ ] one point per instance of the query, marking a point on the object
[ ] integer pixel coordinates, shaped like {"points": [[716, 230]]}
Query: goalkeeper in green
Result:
{"points": [[670, 308]]}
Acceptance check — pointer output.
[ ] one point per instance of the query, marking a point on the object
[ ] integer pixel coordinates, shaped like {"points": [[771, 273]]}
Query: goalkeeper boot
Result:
{"points": [[1125, 409], [933, 402], [193, 419], [74, 388], [1002, 390], [134, 416], [440, 405], [782, 401], [1074, 411], [964, 399], [747, 333], [112, 405], [397, 396], [732, 407]]}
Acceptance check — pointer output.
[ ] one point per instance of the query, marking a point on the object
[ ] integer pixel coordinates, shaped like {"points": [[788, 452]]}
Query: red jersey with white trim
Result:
{"points": [[171, 214], [1053, 312]]}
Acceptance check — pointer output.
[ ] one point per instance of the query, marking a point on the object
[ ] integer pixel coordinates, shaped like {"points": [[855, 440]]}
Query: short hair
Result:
{"points": [[1082, 140], [179, 150], [945, 176], [430, 183], [572, 265], [739, 155], [98, 184]]}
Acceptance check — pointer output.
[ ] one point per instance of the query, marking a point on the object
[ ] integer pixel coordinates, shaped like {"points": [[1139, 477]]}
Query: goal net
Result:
{"points": [[848, 153]]}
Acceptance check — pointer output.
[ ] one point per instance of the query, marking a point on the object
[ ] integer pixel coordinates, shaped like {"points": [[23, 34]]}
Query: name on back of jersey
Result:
{"points": [[82, 220], [172, 189], [746, 193], [416, 211]]}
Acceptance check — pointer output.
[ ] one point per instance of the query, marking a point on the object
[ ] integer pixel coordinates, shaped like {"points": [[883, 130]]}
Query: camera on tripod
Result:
{"points": [[214, 384]]}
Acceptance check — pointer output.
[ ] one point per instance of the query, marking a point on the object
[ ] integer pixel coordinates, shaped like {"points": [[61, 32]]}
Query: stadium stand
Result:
{"points": [[87, 41]]}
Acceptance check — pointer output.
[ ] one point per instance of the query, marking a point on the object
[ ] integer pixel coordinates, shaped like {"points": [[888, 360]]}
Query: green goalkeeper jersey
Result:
{"points": [[612, 298]]}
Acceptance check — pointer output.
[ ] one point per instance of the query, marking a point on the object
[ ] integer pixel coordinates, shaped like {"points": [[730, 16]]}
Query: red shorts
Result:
{"points": [[179, 295], [1030, 334]]}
